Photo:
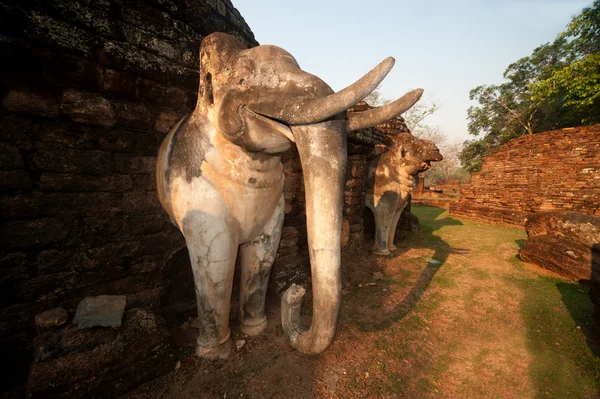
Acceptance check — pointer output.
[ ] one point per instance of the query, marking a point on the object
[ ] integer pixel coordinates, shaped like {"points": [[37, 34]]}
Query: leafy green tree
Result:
{"points": [[576, 87], [557, 86]]}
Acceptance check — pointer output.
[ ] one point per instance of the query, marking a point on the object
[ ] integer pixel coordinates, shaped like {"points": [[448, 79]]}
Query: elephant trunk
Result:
{"points": [[322, 149]]}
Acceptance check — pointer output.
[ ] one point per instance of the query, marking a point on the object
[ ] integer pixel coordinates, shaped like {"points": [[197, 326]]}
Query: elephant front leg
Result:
{"points": [[256, 261], [212, 245]]}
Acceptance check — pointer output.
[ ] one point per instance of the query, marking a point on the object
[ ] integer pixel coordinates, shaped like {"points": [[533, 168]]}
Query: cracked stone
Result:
{"points": [[51, 318]]}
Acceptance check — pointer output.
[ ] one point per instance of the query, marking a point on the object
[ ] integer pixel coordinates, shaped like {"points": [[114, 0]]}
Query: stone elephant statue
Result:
{"points": [[220, 180], [390, 180]]}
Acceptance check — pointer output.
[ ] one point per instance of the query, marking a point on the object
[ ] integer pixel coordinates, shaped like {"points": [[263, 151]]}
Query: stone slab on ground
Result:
{"points": [[584, 229], [562, 242], [102, 311], [560, 255], [567, 243]]}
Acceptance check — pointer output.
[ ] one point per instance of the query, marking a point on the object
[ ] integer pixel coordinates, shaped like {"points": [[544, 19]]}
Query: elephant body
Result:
{"points": [[222, 207], [390, 180], [220, 180]]}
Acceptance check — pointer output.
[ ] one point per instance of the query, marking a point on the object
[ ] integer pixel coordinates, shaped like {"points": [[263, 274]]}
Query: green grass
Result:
{"points": [[445, 324], [565, 366], [563, 363]]}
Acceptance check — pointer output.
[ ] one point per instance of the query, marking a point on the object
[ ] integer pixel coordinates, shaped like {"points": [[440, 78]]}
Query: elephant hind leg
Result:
{"points": [[381, 233], [392, 229], [212, 245], [256, 260], [384, 214]]}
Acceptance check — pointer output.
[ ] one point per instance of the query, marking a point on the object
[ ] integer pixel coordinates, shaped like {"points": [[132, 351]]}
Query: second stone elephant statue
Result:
{"points": [[390, 180]]}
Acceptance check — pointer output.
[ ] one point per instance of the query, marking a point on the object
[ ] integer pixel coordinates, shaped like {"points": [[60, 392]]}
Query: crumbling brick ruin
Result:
{"points": [[555, 170], [88, 90]]}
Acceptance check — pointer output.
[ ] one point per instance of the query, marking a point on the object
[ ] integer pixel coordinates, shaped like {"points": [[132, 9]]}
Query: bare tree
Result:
{"points": [[375, 98], [415, 116], [432, 133], [415, 120]]}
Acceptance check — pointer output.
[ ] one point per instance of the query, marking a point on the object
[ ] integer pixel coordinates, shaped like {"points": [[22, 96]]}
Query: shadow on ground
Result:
{"points": [[576, 299], [565, 363], [267, 366], [424, 239]]}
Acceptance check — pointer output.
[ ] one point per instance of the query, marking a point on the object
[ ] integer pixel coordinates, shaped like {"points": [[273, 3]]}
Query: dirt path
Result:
{"points": [[453, 314]]}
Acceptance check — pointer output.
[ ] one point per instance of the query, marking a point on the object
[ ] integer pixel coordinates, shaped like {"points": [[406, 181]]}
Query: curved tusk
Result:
{"points": [[375, 116], [319, 109]]}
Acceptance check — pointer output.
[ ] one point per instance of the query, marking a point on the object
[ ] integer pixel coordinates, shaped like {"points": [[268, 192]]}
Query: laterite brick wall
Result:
{"points": [[88, 90], [555, 170]]}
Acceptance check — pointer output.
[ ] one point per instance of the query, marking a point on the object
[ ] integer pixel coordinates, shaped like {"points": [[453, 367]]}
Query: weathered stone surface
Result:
{"points": [[51, 318], [408, 222], [117, 83], [103, 310], [135, 164], [32, 233], [67, 70], [20, 100], [562, 242], [20, 206], [59, 33], [10, 158], [165, 121], [147, 143], [14, 180], [160, 95], [584, 229], [97, 363], [80, 182], [88, 108], [560, 255], [72, 160], [13, 266], [117, 141], [56, 343], [133, 115]]}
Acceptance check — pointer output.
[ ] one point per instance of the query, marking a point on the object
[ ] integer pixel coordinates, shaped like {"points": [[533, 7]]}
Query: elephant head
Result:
{"points": [[414, 154], [259, 100]]}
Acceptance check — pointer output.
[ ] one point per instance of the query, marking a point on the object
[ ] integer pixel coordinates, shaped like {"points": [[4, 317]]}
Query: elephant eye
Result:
{"points": [[209, 88]]}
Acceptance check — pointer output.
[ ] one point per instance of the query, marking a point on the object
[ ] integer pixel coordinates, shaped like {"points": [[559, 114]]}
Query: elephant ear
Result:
{"points": [[216, 54]]}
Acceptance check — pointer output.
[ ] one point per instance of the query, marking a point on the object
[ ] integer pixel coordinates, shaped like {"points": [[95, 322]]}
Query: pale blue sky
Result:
{"points": [[445, 47]]}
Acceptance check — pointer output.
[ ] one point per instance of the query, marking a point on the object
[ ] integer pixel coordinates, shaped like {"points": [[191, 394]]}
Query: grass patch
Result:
{"points": [[557, 314], [563, 364], [478, 325]]}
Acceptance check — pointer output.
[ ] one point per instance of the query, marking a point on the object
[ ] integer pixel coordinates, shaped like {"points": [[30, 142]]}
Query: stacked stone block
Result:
{"points": [[555, 170], [88, 90]]}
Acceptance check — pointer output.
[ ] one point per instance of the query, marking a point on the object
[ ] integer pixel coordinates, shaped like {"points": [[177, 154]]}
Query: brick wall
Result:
{"points": [[555, 170], [88, 90]]}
